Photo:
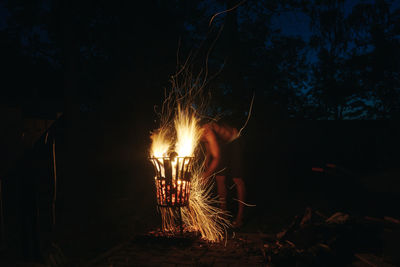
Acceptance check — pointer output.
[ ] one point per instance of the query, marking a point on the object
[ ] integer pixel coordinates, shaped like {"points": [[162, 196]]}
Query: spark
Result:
{"points": [[226, 11], [180, 133], [203, 214], [248, 116], [244, 203]]}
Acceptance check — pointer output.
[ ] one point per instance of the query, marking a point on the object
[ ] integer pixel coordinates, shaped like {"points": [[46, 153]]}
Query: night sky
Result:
{"points": [[264, 28]]}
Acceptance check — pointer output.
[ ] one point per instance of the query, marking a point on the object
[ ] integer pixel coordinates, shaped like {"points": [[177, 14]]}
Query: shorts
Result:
{"points": [[231, 163]]}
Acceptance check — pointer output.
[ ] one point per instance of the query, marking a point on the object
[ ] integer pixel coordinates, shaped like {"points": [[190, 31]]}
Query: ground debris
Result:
{"points": [[315, 239], [338, 217], [163, 249], [371, 260]]}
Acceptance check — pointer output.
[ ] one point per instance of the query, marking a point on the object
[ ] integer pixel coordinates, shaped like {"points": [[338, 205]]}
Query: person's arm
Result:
{"points": [[208, 155], [213, 152]]}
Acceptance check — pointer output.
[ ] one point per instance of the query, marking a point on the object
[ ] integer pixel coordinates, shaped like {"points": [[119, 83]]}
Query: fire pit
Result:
{"points": [[182, 196], [172, 180]]}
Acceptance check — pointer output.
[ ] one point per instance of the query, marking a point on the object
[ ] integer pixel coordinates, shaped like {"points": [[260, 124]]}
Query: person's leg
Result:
{"points": [[241, 194], [221, 188]]}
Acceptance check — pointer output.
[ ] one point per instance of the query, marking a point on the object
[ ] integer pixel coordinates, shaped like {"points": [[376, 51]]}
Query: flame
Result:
{"points": [[202, 214], [179, 137], [188, 132], [160, 143]]}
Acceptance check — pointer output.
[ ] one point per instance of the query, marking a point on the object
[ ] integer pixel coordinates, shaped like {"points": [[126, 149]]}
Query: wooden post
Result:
{"points": [[53, 204], [2, 231]]}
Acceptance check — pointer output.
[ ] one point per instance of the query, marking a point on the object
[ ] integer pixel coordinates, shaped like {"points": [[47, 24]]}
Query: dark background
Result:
{"points": [[326, 86]]}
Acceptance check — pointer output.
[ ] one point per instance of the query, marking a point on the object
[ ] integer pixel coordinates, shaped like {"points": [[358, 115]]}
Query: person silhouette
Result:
{"points": [[223, 146]]}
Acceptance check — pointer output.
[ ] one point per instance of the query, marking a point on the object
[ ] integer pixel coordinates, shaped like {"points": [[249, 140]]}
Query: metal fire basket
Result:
{"points": [[172, 180]]}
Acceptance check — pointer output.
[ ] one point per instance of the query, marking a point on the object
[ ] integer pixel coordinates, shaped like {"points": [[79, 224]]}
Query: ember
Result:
{"points": [[172, 180], [181, 195]]}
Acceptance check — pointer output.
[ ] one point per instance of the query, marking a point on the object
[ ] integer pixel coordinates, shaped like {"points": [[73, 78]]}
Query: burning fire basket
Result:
{"points": [[172, 181]]}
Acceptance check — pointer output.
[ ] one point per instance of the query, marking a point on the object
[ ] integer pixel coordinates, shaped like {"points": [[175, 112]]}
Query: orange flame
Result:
{"points": [[202, 214]]}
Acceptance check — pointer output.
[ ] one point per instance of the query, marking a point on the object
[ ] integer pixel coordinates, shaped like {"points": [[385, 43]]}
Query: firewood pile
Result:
{"points": [[340, 239]]}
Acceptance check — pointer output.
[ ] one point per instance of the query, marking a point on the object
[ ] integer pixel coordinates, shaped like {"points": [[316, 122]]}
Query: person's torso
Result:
{"points": [[224, 134]]}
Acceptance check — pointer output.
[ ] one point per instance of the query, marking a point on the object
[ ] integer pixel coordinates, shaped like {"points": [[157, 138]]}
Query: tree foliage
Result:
{"points": [[344, 66]]}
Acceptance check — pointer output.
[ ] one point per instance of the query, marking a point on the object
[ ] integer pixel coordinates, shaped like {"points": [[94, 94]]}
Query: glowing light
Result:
{"points": [[188, 132], [170, 152], [160, 143]]}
